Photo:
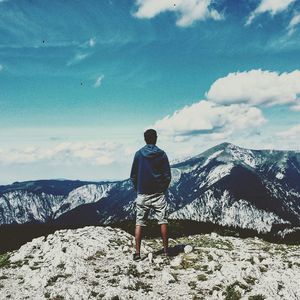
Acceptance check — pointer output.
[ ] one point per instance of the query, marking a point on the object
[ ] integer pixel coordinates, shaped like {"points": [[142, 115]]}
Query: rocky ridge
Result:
{"points": [[96, 263]]}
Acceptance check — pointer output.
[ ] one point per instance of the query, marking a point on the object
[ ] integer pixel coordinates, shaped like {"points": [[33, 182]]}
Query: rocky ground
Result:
{"points": [[96, 263]]}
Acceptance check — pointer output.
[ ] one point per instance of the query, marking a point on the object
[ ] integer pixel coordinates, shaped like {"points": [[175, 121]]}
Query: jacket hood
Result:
{"points": [[151, 151]]}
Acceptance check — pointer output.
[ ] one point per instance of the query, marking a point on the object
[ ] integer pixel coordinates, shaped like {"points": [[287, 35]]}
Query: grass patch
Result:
{"points": [[218, 267], [192, 285], [257, 297], [140, 285], [132, 270], [260, 258], [207, 242], [297, 264], [94, 283], [4, 260], [266, 248], [263, 269], [175, 275], [217, 287], [58, 297], [210, 257], [231, 293], [52, 280], [201, 277], [187, 263], [250, 280], [113, 281], [19, 263], [251, 260], [94, 294], [61, 265], [98, 254]]}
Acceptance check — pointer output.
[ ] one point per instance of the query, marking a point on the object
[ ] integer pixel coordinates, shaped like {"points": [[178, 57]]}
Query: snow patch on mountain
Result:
{"points": [[219, 172], [243, 155], [22, 206], [85, 194], [223, 212], [175, 176], [211, 157], [279, 175]]}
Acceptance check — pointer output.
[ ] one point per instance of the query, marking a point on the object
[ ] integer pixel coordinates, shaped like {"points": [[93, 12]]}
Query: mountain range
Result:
{"points": [[226, 185]]}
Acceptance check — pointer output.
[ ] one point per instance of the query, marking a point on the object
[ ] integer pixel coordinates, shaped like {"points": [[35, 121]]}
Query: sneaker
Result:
{"points": [[136, 256]]}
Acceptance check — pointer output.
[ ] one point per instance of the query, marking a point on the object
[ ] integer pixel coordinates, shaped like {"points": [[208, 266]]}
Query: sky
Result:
{"points": [[81, 80]]}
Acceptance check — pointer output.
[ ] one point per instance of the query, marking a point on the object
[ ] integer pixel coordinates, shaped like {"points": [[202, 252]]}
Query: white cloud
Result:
{"points": [[78, 58], [296, 107], [89, 43], [204, 117], [63, 153], [98, 81], [92, 42], [293, 23], [271, 6], [256, 87], [291, 133], [187, 11]]}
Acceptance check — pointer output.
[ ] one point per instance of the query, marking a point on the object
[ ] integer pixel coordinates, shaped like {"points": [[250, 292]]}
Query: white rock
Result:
{"points": [[213, 235], [188, 249], [176, 262], [125, 249], [116, 275], [127, 282], [166, 277], [150, 257], [140, 268], [112, 293]]}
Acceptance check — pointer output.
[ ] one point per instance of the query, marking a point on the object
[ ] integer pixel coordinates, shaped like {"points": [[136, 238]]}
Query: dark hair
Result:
{"points": [[150, 136]]}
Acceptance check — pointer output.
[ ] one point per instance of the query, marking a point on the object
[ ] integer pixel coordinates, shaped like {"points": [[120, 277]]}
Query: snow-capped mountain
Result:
{"points": [[227, 185]]}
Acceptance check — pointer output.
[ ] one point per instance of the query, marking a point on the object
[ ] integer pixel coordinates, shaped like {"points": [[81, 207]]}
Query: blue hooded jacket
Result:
{"points": [[150, 172]]}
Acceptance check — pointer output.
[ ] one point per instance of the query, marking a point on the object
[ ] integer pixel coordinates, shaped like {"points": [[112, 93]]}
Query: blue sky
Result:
{"points": [[81, 80]]}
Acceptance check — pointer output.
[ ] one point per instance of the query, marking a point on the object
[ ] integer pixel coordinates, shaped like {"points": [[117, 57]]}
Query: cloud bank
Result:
{"points": [[293, 23], [257, 87], [291, 133], [95, 153], [206, 117], [187, 11], [271, 6]]}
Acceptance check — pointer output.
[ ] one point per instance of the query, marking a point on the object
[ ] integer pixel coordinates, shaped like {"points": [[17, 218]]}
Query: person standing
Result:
{"points": [[151, 176]]}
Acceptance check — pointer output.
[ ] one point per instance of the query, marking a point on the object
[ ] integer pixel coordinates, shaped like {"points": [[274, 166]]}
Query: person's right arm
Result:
{"points": [[134, 171]]}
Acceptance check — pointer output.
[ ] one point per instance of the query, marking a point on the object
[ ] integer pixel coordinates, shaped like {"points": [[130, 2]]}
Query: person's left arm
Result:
{"points": [[134, 171]]}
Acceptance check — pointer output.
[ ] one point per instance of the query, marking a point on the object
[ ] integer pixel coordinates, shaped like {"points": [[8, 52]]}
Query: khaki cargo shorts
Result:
{"points": [[145, 202]]}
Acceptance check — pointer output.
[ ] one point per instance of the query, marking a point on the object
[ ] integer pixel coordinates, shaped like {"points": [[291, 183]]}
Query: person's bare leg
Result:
{"points": [[164, 235], [138, 238]]}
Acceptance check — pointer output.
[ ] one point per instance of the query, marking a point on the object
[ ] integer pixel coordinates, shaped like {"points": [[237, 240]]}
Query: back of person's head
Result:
{"points": [[150, 136]]}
